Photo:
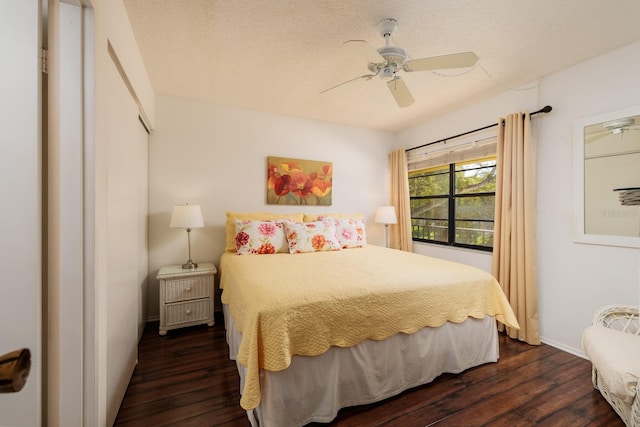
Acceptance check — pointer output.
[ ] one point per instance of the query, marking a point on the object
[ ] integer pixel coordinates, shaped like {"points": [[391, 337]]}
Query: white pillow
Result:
{"points": [[311, 236]]}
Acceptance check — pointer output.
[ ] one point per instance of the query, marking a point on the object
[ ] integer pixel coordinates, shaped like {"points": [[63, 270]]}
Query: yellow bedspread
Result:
{"points": [[303, 304]]}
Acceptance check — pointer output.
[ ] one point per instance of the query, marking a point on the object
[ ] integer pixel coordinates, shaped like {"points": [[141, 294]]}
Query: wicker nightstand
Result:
{"points": [[186, 296]]}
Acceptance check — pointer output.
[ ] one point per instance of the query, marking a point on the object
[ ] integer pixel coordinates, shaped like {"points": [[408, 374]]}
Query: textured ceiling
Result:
{"points": [[278, 55]]}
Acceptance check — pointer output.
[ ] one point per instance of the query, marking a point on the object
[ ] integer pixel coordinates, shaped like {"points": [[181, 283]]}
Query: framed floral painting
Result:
{"points": [[298, 182]]}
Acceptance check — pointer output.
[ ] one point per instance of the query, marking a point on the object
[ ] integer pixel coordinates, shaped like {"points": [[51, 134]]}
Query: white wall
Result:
{"points": [[576, 279], [573, 279], [216, 157]]}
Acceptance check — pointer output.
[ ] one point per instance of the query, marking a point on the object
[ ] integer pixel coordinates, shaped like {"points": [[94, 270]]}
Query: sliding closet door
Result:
{"points": [[142, 170], [20, 203], [126, 240]]}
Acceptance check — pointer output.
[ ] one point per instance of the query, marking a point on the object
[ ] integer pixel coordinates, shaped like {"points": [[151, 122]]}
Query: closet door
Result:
{"points": [[20, 203], [142, 144], [126, 240]]}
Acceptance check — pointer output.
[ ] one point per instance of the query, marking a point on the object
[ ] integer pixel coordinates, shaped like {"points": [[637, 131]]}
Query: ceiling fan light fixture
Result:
{"points": [[387, 73]]}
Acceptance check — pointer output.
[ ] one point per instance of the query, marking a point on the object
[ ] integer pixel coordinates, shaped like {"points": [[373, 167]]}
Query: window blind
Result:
{"points": [[455, 152]]}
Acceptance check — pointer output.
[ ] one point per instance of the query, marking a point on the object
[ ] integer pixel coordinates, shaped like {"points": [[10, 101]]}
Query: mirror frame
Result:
{"points": [[578, 181]]}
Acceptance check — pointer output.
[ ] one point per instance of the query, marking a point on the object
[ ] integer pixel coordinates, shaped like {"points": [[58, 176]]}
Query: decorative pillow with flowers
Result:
{"points": [[311, 236], [350, 232], [232, 217], [260, 237]]}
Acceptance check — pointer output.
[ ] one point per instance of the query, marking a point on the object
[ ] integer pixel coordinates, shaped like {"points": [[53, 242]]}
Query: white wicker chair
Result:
{"points": [[626, 319]]}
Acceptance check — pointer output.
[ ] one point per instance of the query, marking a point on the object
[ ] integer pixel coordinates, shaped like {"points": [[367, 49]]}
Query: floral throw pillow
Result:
{"points": [[311, 236], [351, 233], [260, 237]]}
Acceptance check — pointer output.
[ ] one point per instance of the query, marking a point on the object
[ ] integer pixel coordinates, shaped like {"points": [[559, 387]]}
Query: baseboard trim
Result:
{"points": [[563, 347]]}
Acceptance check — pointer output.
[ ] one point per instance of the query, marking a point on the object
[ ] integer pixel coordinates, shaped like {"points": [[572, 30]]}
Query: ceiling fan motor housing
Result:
{"points": [[394, 57]]}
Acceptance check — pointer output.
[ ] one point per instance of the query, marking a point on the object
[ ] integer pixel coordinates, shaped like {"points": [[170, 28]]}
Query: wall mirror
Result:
{"points": [[606, 160]]}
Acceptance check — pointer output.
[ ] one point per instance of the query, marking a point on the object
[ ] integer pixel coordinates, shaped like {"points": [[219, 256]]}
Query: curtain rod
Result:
{"points": [[544, 109]]}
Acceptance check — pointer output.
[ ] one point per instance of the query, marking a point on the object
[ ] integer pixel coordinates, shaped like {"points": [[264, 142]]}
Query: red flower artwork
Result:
{"points": [[298, 182]]}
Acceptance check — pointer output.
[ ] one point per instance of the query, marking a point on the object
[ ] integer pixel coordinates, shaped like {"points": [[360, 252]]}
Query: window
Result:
{"points": [[454, 204]]}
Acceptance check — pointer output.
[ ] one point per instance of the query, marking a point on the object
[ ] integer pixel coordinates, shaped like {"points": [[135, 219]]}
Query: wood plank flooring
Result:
{"points": [[186, 379]]}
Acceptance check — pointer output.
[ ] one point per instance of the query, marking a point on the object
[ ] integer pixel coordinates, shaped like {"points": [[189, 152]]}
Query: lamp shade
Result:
{"points": [[186, 216], [386, 215]]}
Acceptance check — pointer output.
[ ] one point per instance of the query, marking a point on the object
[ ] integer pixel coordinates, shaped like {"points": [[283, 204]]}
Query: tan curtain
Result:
{"points": [[514, 245], [401, 232]]}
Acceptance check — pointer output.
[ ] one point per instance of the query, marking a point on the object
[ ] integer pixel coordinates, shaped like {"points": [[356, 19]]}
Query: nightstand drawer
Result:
{"points": [[188, 288], [187, 312]]}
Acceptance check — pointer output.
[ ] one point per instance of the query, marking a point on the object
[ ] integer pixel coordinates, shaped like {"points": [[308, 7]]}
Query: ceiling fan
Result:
{"points": [[387, 61], [613, 127]]}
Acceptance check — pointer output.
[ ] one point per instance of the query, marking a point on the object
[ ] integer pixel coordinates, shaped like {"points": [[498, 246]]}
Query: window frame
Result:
{"points": [[451, 214]]}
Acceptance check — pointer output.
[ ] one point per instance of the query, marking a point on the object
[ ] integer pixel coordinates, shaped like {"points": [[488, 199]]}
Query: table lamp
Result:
{"points": [[187, 216], [386, 215]]}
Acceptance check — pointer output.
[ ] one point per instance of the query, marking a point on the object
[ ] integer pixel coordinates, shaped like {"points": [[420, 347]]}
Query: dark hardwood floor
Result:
{"points": [[186, 379]]}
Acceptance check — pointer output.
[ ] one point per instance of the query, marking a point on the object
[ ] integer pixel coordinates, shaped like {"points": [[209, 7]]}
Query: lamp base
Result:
{"points": [[386, 233], [190, 265]]}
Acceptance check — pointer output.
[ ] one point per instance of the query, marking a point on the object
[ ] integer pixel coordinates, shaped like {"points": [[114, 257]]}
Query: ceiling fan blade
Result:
{"points": [[364, 50], [400, 92], [365, 76], [454, 60]]}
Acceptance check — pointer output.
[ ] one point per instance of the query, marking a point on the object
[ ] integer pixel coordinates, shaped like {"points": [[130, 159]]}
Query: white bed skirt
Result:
{"points": [[313, 389]]}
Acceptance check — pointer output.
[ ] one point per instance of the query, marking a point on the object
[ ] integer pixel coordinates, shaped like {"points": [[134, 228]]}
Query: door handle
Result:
{"points": [[14, 370]]}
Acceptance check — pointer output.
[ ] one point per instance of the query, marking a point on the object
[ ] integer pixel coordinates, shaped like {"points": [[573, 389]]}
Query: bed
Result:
{"points": [[317, 331]]}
